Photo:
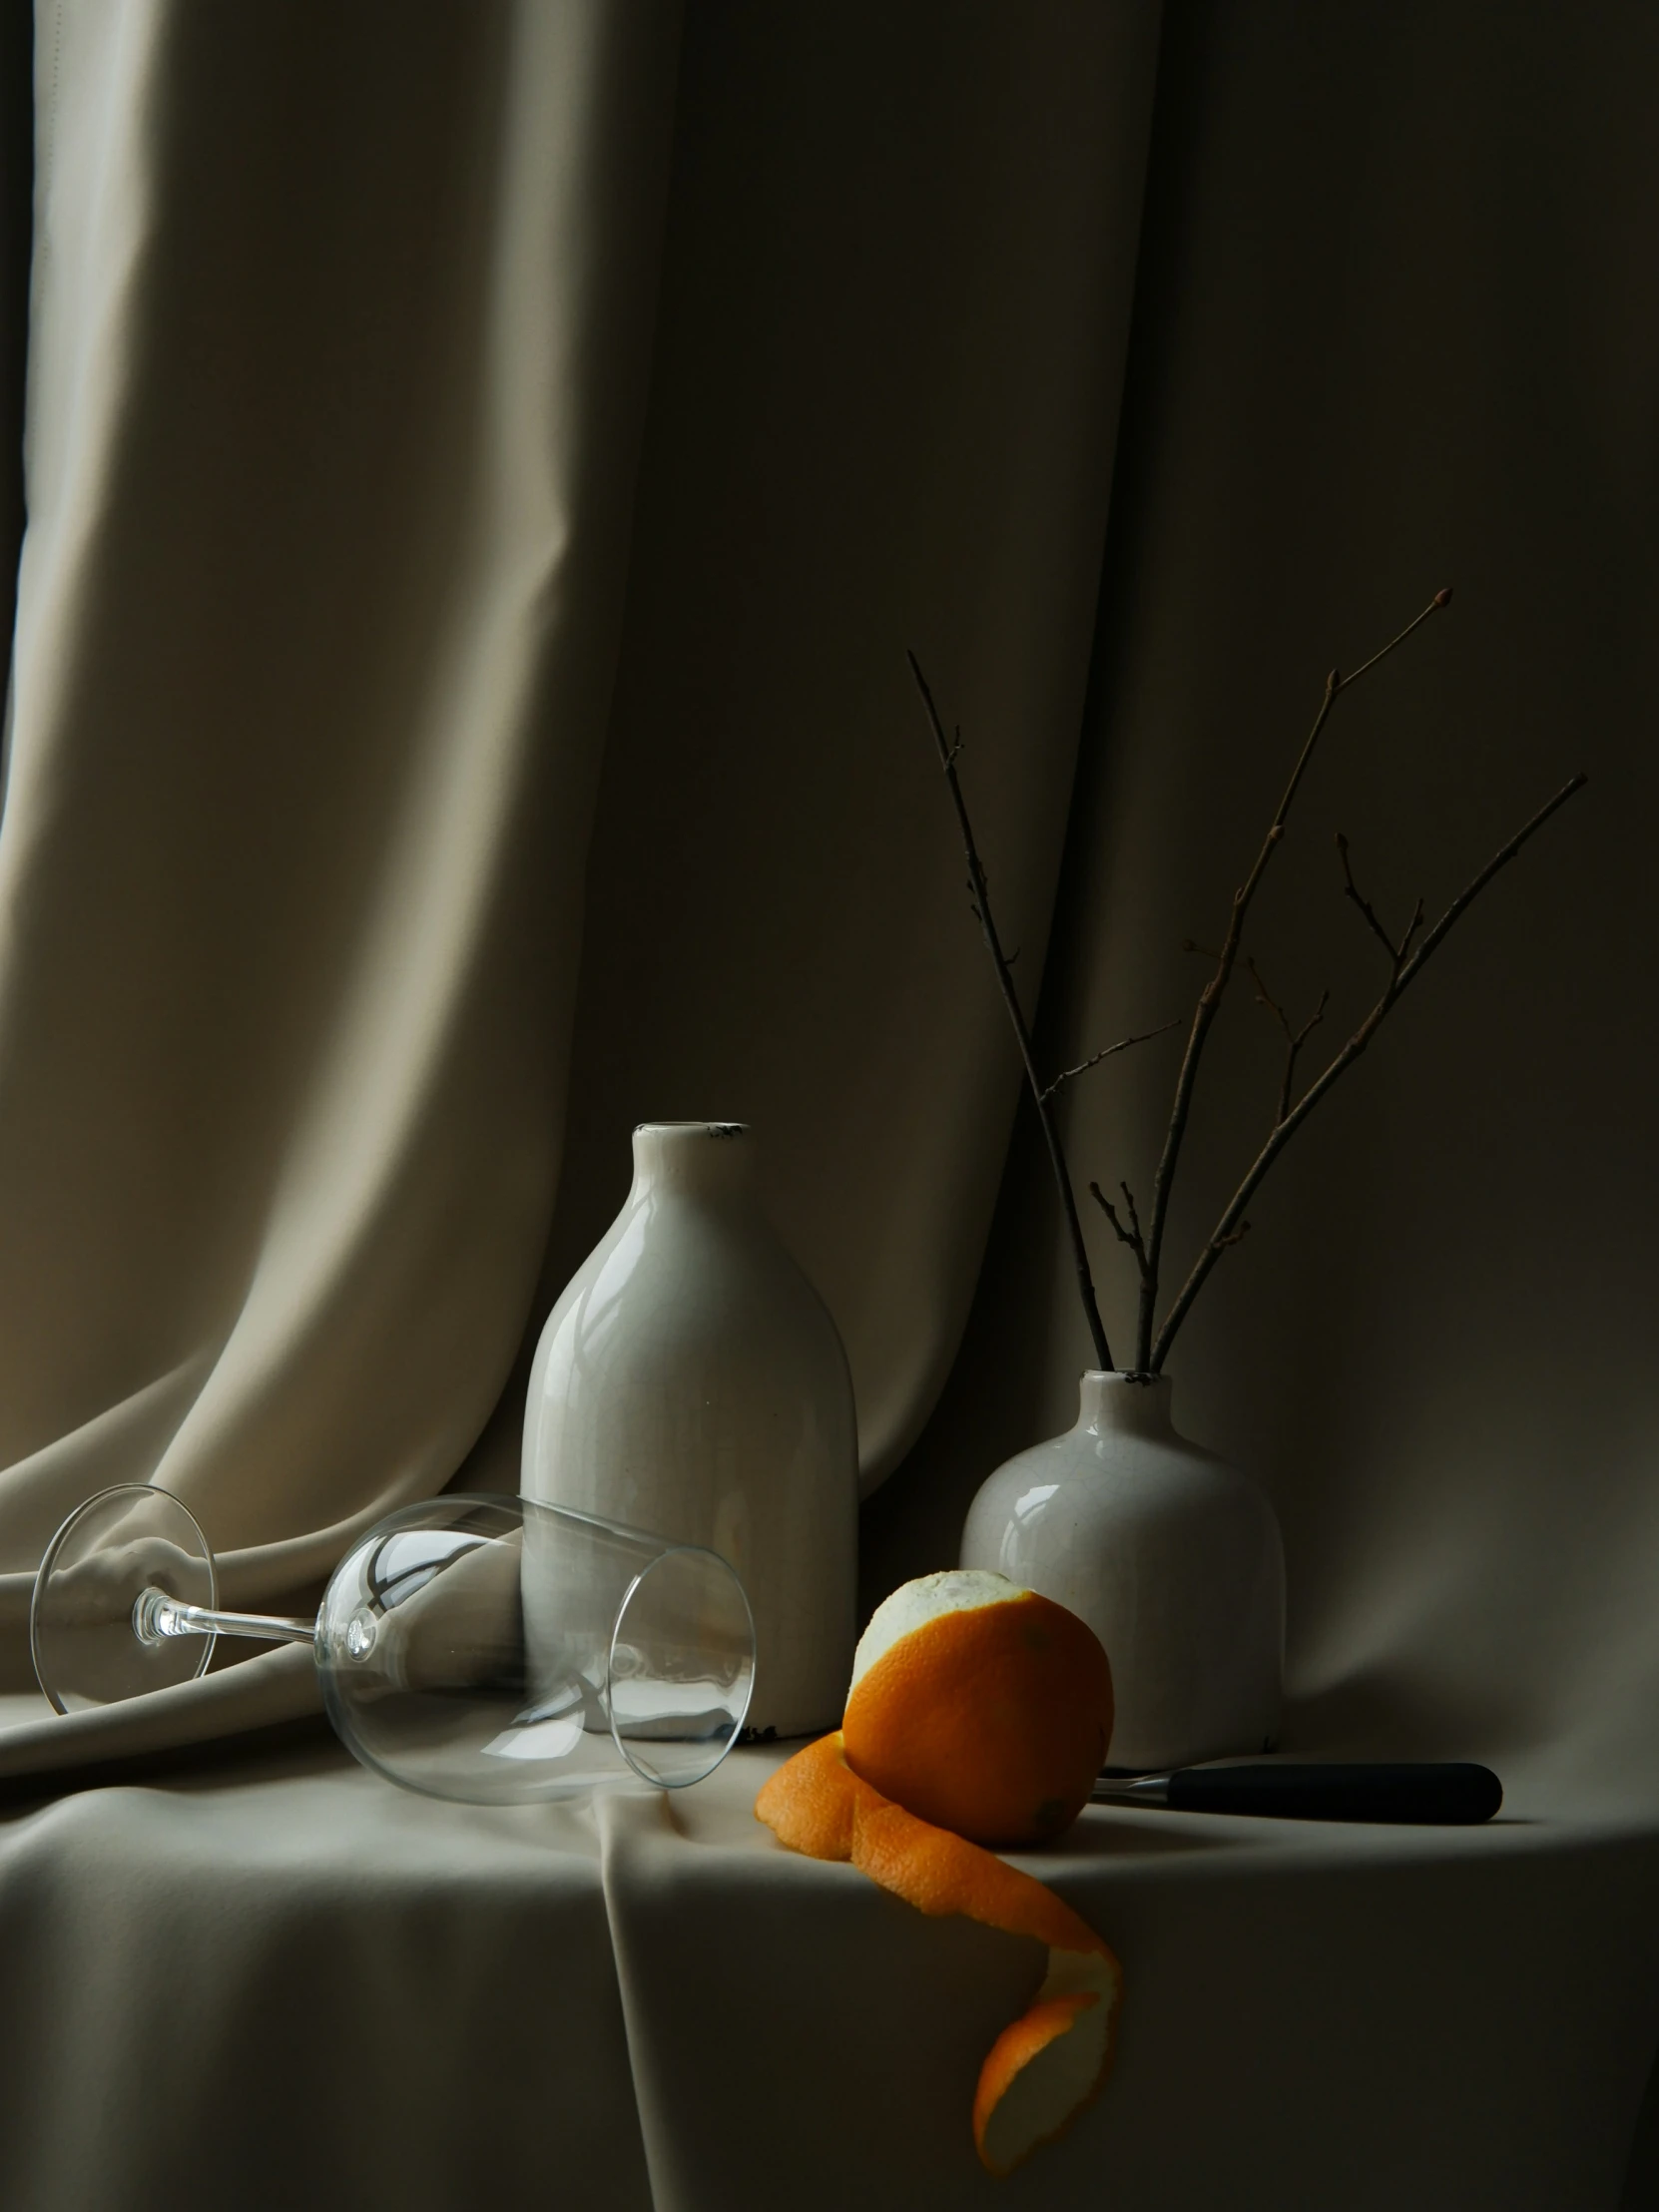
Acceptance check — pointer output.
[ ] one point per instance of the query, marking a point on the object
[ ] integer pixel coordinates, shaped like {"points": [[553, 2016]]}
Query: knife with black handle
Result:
{"points": [[1442, 1792]]}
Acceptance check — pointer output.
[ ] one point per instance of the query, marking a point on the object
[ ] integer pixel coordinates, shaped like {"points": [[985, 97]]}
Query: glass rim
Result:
{"points": [[675, 1551]]}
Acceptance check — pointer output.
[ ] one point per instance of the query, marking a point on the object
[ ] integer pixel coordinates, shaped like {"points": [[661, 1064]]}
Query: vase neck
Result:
{"points": [[1116, 1404], [693, 1159]]}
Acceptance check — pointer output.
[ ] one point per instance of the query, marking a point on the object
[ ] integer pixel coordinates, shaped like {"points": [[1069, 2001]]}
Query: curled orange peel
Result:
{"points": [[1054, 2060]]}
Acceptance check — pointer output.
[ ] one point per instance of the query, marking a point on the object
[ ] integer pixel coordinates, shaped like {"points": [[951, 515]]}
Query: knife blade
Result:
{"points": [[1432, 1793]]}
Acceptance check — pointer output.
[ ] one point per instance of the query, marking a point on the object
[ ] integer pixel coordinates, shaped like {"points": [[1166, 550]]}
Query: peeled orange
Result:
{"points": [[980, 1707]]}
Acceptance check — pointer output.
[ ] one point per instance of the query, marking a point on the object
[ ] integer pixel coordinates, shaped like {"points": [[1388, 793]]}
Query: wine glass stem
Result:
{"points": [[156, 1617]]}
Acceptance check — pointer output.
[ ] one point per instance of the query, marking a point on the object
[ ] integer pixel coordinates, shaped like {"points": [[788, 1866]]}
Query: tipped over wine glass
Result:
{"points": [[489, 1649]]}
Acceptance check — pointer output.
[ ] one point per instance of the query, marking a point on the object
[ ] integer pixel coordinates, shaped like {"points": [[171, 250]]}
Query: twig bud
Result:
{"points": [[1442, 598], [1333, 681]]}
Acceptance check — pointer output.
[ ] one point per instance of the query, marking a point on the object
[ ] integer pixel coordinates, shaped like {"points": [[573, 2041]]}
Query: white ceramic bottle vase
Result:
{"points": [[1172, 1556], [690, 1381]]}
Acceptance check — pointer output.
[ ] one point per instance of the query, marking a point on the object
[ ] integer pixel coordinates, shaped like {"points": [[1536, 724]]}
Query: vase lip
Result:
{"points": [[695, 1159], [1122, 1401], [687, 1130]]}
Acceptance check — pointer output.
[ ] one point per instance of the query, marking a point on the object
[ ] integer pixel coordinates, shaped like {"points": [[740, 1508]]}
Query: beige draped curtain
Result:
{"points": [[484, 466]]}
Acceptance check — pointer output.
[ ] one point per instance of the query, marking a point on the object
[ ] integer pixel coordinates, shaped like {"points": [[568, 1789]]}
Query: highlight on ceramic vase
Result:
{"points": [[1171, 1555], [691, 1382]]}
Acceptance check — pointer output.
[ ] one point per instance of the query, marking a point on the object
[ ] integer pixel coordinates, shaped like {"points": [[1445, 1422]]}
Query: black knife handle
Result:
{"points": [[1447, 1792]]}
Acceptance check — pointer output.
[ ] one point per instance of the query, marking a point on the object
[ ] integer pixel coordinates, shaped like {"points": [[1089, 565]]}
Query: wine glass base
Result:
{"points": [[107, 1553]]}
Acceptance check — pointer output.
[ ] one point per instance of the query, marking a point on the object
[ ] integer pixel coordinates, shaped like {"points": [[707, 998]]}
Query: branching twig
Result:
{"points": [[980, 901], [1105, 1053], [1407, 957], [1350, 889], [1132, 1235], [1295, 1039], [1405, 965], [1211, 996]]}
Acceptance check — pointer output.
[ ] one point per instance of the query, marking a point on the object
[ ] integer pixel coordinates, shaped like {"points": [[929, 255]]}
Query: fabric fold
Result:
{"points": [[339, 360]]}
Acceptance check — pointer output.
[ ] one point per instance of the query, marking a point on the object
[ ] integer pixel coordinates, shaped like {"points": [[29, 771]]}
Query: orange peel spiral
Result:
{"points": [[1052, 2062]]}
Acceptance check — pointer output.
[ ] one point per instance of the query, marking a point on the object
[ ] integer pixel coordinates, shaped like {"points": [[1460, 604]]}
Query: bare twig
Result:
{"points": [[1295, 1039], [1405, 965], [1211, 996], [1105, 1053], [1131, 1236], [980, 901]]}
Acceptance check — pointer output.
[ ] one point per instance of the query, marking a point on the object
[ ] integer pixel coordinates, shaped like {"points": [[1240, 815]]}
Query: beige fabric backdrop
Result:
{"points": [[339, 361]]}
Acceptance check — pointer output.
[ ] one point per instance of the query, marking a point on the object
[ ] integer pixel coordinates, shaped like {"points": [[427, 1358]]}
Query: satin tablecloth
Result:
{"points": [[287, 1982]]}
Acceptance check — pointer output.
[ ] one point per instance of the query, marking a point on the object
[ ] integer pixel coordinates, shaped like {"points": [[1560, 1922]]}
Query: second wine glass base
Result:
{"points": [[106, 1555]]}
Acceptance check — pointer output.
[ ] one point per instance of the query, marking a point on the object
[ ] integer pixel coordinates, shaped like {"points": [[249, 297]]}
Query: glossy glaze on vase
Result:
{"points": [[1172, 1556], [691, 1382]]}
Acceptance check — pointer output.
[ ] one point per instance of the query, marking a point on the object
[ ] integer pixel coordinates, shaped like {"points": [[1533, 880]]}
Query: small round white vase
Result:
{"points": [[1173, 1558], [691, 1382]]}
